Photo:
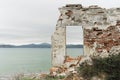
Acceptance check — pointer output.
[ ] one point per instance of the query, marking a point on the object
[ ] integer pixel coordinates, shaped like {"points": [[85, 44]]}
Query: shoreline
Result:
{"points": [[16, 76]]}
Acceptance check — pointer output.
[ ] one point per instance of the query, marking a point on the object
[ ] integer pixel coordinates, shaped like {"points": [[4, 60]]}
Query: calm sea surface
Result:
{"points": [[15, 60]]}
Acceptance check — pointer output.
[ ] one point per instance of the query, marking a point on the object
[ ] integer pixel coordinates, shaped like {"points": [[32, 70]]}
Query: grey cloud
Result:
{"points": [[33, 21]]}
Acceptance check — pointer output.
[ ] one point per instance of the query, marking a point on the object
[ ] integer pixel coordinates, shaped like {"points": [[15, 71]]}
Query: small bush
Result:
{"points": [[28, 79], [51, 78], [109, 66]]}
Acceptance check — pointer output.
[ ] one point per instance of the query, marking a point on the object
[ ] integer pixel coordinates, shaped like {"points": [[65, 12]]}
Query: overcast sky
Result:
{"points": [[33, 21]]}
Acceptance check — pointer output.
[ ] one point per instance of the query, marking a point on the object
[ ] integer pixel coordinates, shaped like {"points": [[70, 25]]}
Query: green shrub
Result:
{"points": [[27, 79], [109, 66], [51, 78]]}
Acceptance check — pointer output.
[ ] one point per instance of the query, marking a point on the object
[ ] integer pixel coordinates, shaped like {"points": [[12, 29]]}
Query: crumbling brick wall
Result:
{"points": [[101, 29], [104, 39]]}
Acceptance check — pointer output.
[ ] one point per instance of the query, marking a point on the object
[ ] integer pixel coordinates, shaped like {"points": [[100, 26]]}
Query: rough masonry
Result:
{"points": [[101, 29]]}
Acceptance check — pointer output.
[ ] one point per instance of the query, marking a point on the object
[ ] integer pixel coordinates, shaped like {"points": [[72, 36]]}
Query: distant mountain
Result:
{"points": [[42, 45], [7, 46]]}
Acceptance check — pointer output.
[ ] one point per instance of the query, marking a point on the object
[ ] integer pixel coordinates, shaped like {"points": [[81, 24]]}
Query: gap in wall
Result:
{"points": [[74, 36]]}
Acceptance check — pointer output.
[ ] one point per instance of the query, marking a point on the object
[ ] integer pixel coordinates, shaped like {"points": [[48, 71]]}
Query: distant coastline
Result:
{"points": [[42, 45]]}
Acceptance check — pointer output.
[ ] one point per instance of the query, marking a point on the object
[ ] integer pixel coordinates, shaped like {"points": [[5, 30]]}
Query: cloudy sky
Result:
{"points": [[33, 21]]}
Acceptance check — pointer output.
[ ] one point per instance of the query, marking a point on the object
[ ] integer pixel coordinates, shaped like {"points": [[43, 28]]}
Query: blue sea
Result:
{"points": [[29, 60]]}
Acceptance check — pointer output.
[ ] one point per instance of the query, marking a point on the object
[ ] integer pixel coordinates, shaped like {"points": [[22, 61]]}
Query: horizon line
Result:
{"points": [[37, 43]]}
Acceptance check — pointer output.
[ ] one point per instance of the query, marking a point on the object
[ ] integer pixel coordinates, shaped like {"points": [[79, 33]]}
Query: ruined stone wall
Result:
{"points": [[101, 29]]}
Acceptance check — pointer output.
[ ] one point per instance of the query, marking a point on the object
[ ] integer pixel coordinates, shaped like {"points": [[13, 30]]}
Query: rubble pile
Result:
{"points": [[69, 67]]}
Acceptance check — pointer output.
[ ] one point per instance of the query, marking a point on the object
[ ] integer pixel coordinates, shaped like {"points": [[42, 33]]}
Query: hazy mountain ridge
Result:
{"points": [[42, 45]]}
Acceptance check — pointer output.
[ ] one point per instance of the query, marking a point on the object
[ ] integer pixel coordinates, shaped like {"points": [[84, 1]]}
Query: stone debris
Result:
{"points": [[69, 67]]}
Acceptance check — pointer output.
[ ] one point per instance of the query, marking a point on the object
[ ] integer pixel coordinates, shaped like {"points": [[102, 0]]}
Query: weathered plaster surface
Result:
{"points": [[101, 29]]}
